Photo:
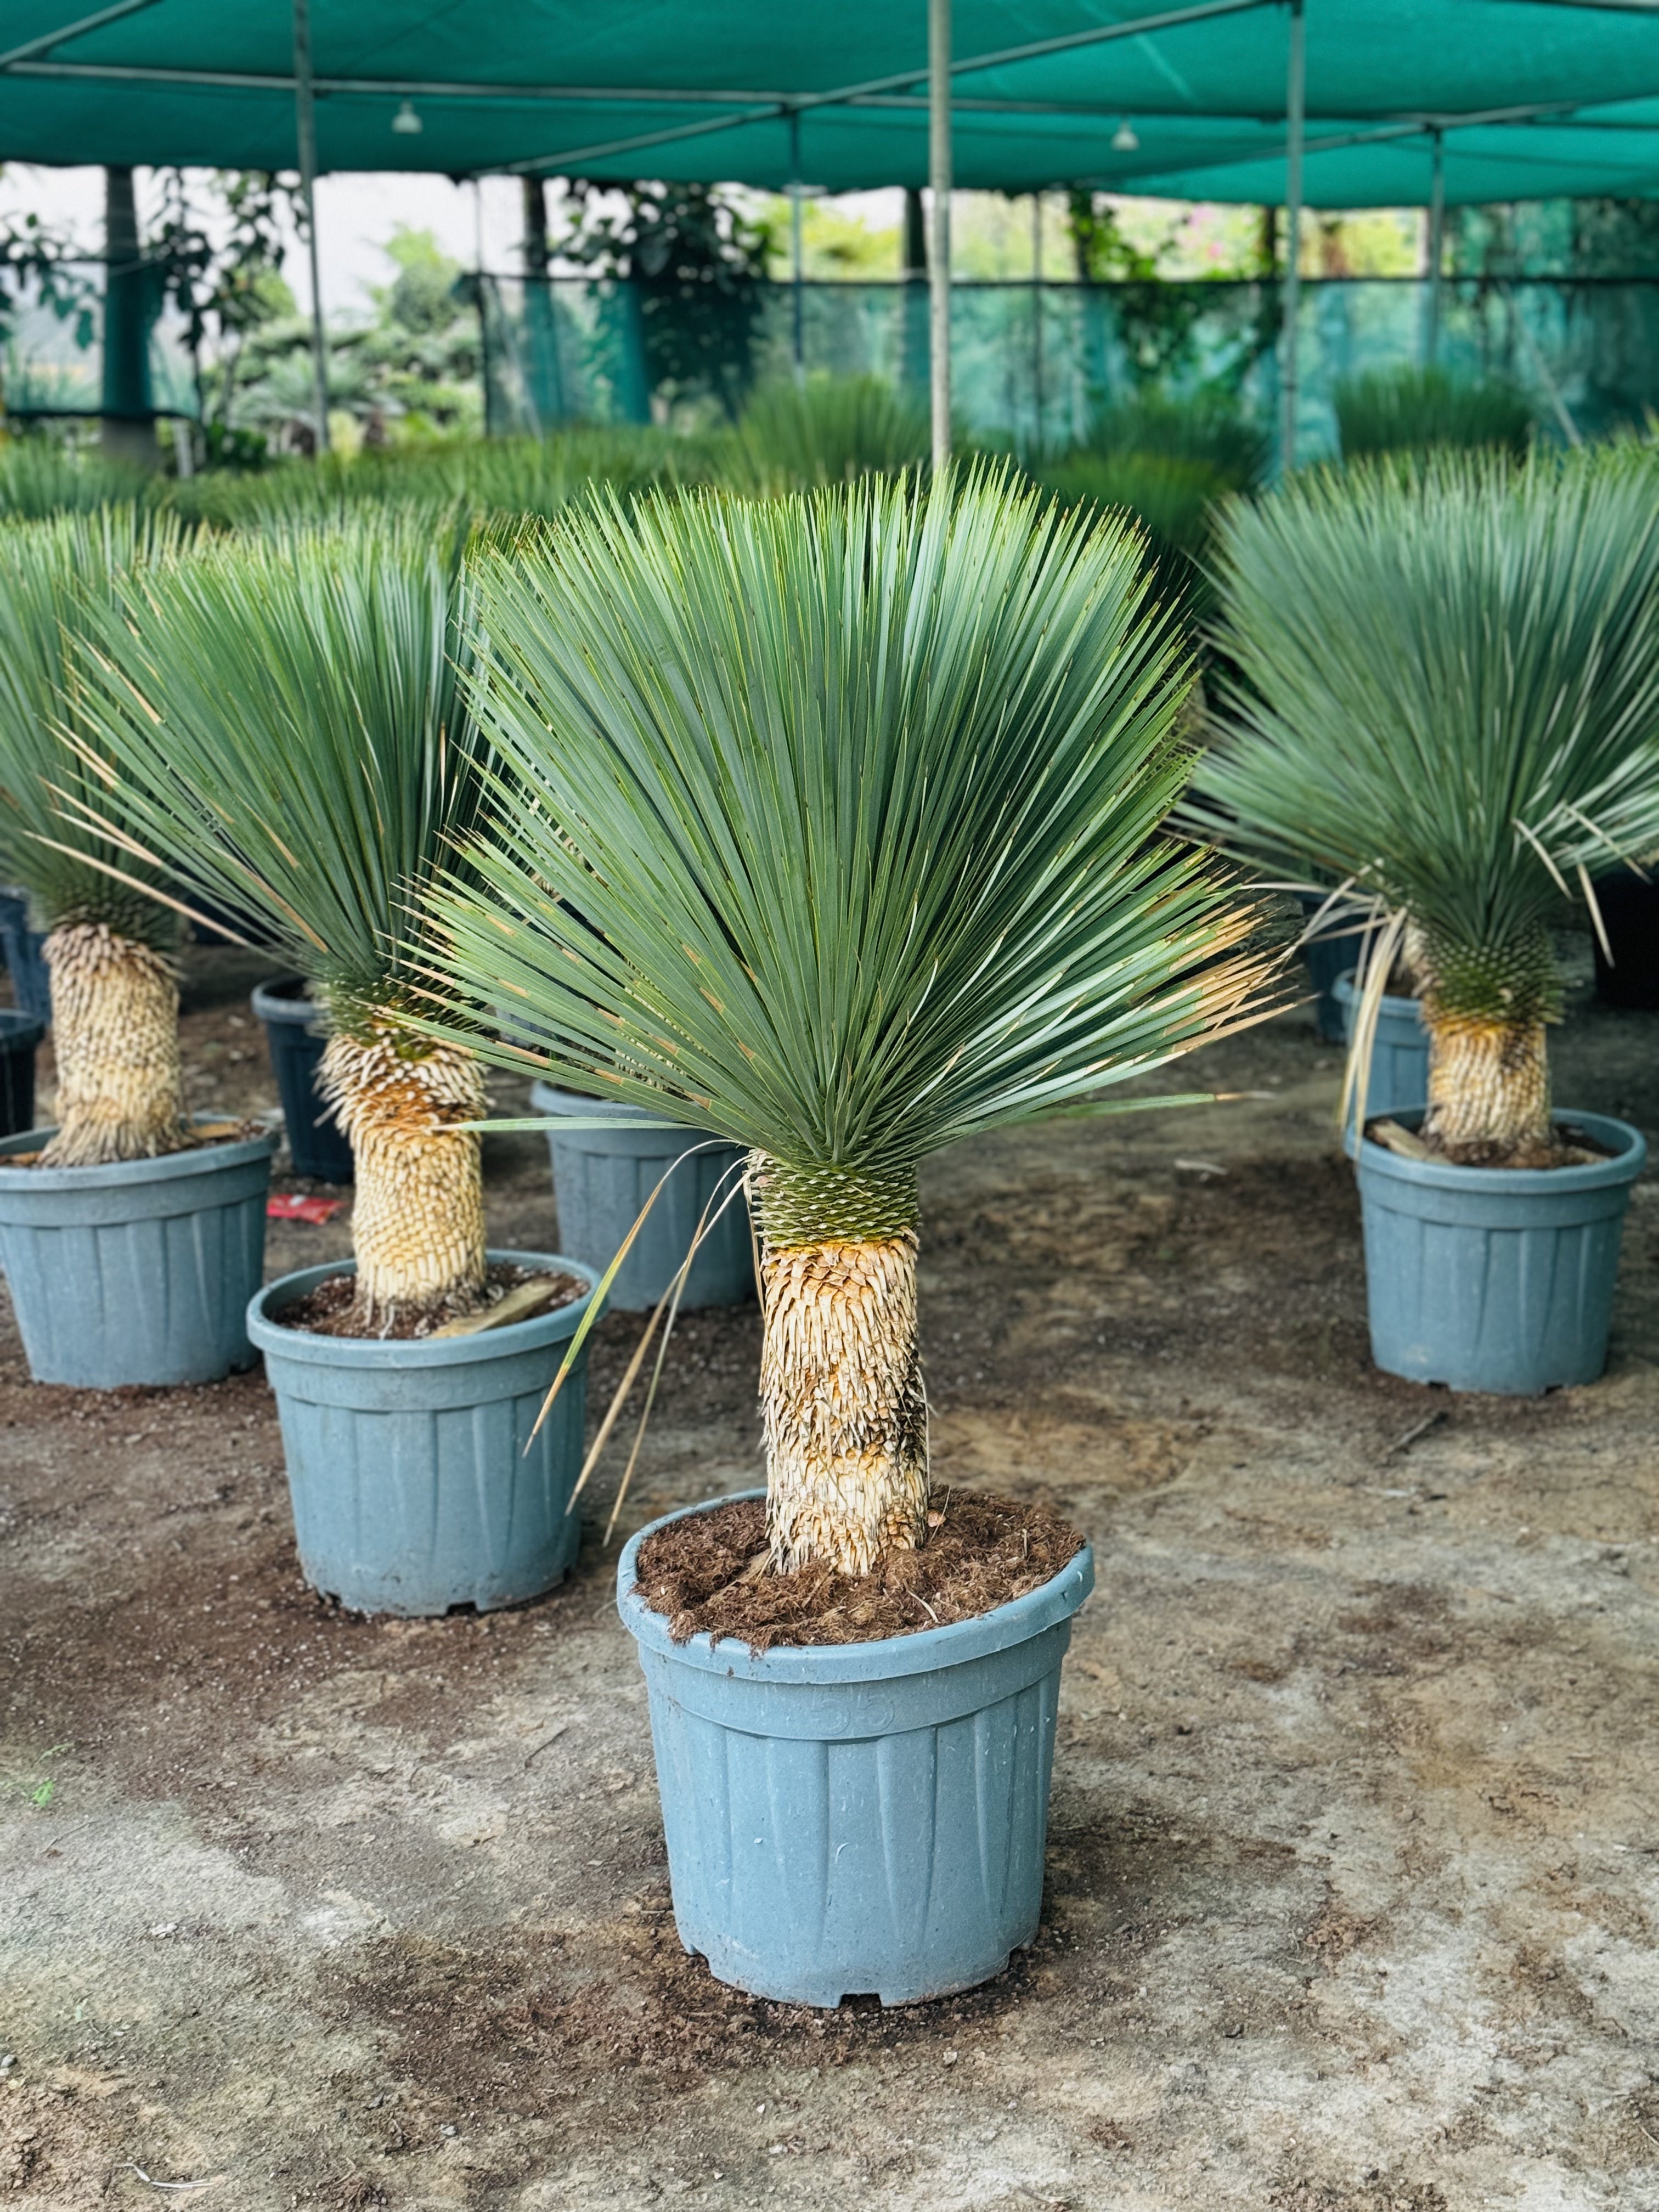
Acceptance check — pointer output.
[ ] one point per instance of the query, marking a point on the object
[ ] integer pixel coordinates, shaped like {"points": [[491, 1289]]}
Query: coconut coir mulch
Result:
{"points": [[1568, 1146], [329, 1308], [705, 1573]]}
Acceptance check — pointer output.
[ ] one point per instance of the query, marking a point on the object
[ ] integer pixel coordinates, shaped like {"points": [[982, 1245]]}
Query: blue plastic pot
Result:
{"points": [[31, 978], [413, 1490], [294, 1034], [1400, 1052], [1496, 1279], [140, 1271], [860, 1818], [1335, 952], [20, 1034], [602, 1177]]}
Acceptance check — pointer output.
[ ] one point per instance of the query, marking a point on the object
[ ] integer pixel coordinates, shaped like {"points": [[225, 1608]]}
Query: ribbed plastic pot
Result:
{"points": [[1496, 1279], [413, 1491], [139, 1272], [863, 1817], [602, 1177], [31, 978], [20, 1034], [1333, 953], [1630, 914], [1400, 1052], [294, 1036]]}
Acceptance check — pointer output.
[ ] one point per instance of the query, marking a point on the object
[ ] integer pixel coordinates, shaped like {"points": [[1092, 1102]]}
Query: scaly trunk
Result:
{"points": [[843, 1409], [1489, 1090], [115, 1033], [417, 1221], [1485, 1003]]}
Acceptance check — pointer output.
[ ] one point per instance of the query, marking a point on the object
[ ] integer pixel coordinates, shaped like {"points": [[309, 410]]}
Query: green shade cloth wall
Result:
{"points": [[1533, 98], [1032, 364]]}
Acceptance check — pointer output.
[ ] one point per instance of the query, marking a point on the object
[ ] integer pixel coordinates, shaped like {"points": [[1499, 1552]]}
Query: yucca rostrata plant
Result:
{"points": [[281, 720], [110, 946], [831, 826], [1448, 698], [828, 430]]}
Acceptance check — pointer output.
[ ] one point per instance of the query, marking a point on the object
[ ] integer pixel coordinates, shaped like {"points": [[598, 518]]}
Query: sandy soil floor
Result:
{"points": [[1353, 1877]]}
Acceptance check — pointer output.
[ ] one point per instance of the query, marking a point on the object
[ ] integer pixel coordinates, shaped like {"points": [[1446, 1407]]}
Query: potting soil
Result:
{"points": [[331, 1309], [708, 1573]]}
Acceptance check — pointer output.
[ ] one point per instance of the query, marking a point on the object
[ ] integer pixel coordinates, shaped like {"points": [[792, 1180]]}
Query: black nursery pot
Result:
{"points": [[20, 1033], [1343, 937], [1630, 914], [295, 1034], [20, 947]]}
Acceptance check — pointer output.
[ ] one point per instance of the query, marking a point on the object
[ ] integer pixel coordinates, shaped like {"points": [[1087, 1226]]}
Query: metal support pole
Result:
{"points": [[1295, 133], [797, 246], [939, 262], [1037, 316], [129, 403], [305, 117], [544, 388], [1436, 246]]}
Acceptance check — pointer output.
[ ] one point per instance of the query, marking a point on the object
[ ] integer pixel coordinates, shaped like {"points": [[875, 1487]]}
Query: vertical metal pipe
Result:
{"points": [[1037, 316], [485, 378], [939, 262], [1436, 246], [1295, 133], [797, 246], [128, 401], [305, 117]]}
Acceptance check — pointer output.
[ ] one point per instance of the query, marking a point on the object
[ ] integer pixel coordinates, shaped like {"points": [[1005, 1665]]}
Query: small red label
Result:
{"points": [[288, 1205]]}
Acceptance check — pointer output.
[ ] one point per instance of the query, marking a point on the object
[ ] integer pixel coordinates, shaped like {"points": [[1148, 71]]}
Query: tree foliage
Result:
{"points": [[1448, 693], [57, 577], [832, 825], [283, 722]]}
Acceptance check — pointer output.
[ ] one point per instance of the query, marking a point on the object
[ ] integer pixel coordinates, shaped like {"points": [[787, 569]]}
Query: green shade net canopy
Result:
{"points": [[1511, 99]]}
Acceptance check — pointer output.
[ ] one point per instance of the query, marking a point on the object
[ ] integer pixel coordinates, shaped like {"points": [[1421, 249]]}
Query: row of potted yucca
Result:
{"points": [[826, 831], [829, 831]]}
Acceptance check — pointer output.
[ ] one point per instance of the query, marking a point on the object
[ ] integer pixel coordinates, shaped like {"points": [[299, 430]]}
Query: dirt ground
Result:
{"points": [[1353, 1877]]}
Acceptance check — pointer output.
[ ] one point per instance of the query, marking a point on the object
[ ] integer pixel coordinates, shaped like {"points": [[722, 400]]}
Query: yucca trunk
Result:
{"points": [[417, 1219], [115, 1036], [1486, 1008], [843, 1410], [1489, 1089]]}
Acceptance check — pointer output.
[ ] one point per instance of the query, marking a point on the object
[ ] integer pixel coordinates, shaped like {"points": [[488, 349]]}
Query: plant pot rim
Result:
{"points": [[881, 1659], [271, 1002], [550, 1099], [1624, 1166], [205, 1159], [18, 1027], [297, 1344], [1393, 1001]]}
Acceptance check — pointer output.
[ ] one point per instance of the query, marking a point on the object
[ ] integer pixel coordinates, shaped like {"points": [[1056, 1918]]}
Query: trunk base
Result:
{"points": [[115, 1033], [1488, 1093], [418, 1224], [842, 1402]]}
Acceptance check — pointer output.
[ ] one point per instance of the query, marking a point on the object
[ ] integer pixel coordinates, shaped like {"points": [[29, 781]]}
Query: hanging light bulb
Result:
{"points": [[406, 122], [1125, 139]]}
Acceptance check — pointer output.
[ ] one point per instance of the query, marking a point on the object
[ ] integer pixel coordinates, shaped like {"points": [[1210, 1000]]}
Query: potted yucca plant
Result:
{"points": [[831, 828], [1449, 699], [281, 717], [133, 1236]]}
